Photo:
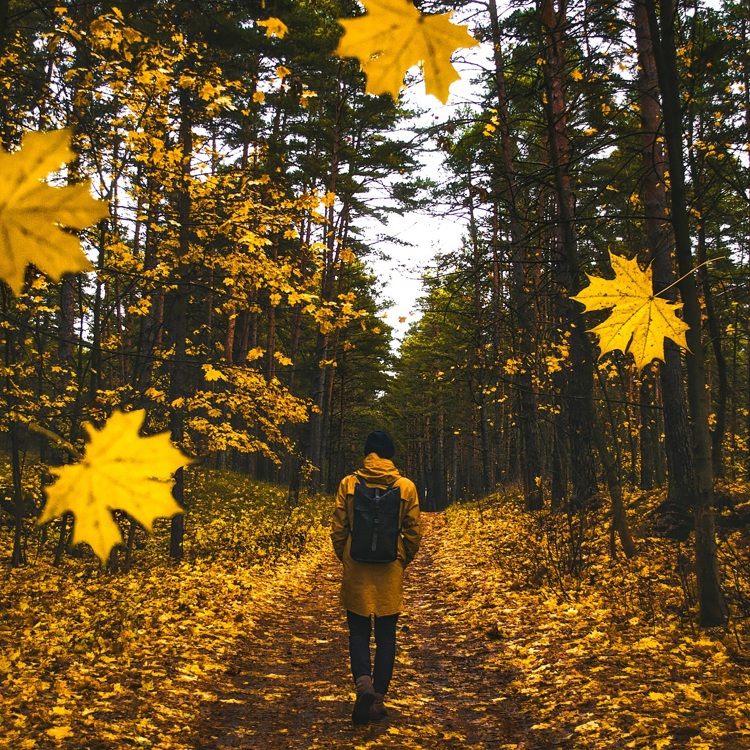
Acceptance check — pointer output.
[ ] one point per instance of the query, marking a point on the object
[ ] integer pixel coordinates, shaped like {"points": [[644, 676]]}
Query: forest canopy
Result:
{"points": [[221, 161]]}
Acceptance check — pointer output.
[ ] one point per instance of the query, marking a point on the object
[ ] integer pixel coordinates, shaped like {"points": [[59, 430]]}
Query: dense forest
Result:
{"points": [[571, 397], [232, 294]]}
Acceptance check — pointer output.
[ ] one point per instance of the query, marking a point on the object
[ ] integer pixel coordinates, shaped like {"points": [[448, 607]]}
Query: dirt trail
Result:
{"points": [[292, 688]]}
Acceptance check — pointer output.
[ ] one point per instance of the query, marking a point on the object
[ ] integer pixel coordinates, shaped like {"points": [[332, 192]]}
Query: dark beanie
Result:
{"points": [[379, 442]]}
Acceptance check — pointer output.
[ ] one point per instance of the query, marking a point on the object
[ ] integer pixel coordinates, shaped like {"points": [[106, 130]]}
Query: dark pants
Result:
{"points": [[385, 648]]}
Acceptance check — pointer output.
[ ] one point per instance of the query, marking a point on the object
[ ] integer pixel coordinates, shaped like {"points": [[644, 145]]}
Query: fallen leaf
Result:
{"points": [[60, 733]]}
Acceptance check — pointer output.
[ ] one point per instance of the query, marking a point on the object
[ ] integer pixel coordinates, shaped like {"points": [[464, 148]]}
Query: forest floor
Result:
{"points": [[497, 648], [292, 687]]}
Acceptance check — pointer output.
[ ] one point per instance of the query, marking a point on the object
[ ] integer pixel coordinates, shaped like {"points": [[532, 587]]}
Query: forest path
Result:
{"points": [[292, 688]]}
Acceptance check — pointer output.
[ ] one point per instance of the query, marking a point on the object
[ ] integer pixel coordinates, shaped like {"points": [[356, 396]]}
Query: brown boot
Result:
{"points": [[365, 697], [377, 709]]}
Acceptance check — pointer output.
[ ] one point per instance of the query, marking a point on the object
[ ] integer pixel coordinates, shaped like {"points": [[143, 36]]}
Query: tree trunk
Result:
{"points": [[62, 540], [713, 608], [178, 321], [712, 320], [531, 459], [580, 387], [648, 436], [4, 6], [611, 465], [681, 497], [18, 556], [581, 413], [128, 563]]}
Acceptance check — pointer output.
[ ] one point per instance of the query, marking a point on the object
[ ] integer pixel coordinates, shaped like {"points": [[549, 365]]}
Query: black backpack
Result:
{"points": [[376, 524]]}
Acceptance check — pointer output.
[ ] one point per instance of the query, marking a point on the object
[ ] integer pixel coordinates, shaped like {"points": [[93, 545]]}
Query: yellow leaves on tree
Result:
{"points": [[33, 213], [120, 471], [640, 320], [394, 36], [274, 27]]}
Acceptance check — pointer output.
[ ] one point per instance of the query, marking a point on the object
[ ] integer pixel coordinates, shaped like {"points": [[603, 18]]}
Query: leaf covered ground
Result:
{"points": [[243, 645]]}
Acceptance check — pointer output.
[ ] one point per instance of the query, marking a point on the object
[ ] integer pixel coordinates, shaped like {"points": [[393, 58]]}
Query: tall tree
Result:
{"points": [[713, 609]]}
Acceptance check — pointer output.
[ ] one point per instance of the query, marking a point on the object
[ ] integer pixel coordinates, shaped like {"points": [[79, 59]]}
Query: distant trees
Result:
{"points": [[590, 116], [233, 300]]}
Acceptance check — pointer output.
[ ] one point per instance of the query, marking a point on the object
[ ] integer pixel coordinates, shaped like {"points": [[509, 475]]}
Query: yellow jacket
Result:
{"points": [[375, 588]]}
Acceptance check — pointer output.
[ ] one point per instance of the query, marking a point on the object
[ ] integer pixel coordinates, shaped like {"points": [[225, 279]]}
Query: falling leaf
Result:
{"points": [[120, 471], [274, 27], [640, 320], [394, 36], [32, 213]]}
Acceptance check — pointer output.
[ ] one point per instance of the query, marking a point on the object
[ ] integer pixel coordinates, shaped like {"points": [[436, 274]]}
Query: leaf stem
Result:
{"points": [[685, 275]]}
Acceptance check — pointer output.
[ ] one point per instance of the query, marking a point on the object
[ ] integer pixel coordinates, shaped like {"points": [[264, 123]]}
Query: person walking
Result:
{"points": [[374, 590]]}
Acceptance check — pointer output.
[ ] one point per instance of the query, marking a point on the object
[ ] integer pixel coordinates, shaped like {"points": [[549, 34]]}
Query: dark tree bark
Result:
{"points": [[585, 434], [531, 460], [178, 320], [18, 556], [713, 608], [648, 435], [681, 495], [4, 6], [712, 320], [580, 386]]}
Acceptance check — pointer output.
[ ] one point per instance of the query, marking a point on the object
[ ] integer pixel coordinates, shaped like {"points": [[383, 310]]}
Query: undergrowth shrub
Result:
{"points": [[570, 554], [228, 516], [243, 519]]}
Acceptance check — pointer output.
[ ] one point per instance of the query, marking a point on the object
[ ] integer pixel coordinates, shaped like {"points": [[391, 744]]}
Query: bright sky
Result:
{"points": [[402, 272], [427, 234]]}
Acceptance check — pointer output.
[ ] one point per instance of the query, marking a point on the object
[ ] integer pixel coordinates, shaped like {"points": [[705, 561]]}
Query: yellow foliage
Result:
{"points": [[640, 320], [33, 212], [211, 374], [274, 27], [151, 649]]}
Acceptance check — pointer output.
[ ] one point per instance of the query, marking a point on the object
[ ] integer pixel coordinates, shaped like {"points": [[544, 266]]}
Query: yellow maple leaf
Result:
{"points": [[394, 36], [640, 320], [210, 374], [32, 213], [120, 471], [274, 27]]}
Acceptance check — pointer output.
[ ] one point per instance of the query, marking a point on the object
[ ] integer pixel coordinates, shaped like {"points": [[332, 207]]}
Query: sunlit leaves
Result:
{"points": [[568, 641], [274, 27], [148, 650], [394, 36], [640, 320], [120, 471], [35, 215]]}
